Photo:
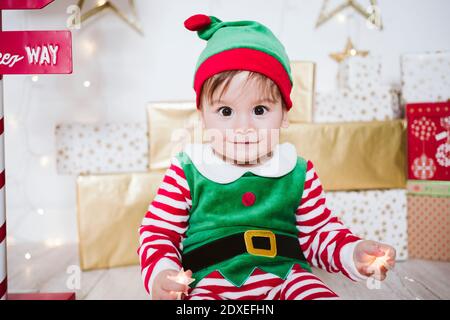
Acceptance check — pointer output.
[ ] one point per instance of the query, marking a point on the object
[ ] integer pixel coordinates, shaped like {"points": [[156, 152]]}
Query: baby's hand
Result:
{"points": [[166, 289], [374, 258]]}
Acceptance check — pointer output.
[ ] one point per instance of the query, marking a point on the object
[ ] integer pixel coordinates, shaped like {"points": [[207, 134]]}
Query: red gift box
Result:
{"points": [[428, 141]]}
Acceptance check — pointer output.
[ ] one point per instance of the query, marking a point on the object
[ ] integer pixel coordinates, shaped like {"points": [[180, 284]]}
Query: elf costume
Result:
{"points": [[245, 232]]}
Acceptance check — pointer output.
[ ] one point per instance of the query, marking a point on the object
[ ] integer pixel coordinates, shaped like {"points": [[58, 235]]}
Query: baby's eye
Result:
{"points": [[260, 110], [225, 111]]}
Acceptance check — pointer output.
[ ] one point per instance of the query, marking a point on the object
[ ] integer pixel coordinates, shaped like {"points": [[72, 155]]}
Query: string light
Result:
{"points": [[44, 161], [28, 256], [89, 47], [35, 78], [40, 211], [87, 84], [53, 242], [341, 18], [12, 121]]}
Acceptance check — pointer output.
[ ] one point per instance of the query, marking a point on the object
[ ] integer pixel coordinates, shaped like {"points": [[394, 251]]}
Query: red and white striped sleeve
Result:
{"points": [[324, 240], [164, 226]]}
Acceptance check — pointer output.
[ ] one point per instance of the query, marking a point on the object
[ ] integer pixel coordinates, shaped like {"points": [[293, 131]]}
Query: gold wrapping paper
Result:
{"points": [[302, 95], [171, 125], [353, 155], [110, 211]]}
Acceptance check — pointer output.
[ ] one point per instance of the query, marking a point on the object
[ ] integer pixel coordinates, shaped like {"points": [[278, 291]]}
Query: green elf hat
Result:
{"points": [[239, 45]]}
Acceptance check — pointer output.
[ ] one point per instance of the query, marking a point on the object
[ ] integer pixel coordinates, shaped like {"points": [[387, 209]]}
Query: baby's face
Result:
{"points": [[244, 125]]}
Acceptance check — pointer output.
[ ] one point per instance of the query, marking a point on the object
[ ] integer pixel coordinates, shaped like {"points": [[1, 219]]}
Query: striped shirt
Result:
{"points": [[324, 240]]}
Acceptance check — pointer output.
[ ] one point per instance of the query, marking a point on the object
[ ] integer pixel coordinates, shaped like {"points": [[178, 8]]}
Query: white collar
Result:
{"points": [[211, 166]]}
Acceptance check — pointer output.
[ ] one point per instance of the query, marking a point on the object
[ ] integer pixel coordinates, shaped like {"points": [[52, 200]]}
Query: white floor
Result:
{"points": [[56, 270]]}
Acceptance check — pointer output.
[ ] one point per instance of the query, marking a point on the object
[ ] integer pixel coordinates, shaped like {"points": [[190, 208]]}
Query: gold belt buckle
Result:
{"points": [[248, 236]]}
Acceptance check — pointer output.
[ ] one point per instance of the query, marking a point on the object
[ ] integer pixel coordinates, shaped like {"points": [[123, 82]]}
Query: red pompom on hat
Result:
{"points": [[197, 22]]}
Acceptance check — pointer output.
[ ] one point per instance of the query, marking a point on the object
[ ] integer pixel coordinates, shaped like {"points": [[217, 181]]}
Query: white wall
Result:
{"points": [[127, 70]]}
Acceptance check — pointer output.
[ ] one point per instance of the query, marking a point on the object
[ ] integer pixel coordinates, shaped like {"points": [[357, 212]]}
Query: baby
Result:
{"points": [[243, 214]]}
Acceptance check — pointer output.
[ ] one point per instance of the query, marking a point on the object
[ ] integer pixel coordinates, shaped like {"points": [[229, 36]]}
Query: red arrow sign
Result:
{"points": [[35, 52], [23, 4]]}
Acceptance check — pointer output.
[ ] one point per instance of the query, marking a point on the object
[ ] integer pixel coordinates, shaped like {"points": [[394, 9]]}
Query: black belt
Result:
{"points": [[256, 242]]}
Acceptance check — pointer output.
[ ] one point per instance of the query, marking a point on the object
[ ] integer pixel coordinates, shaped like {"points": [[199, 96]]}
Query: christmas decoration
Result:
{"points": [[428, 188], [303, 90], [171, 125], [101, 148], [103, 5], [24, 4], [360, 73], [425, 77], [46, 52], [353, 155], [371, 14], [109, 211], [366, 104], [35, 52], [349, 51], [181, 278], [429, 141], [379, 215], [429, 227], [239, 45]]}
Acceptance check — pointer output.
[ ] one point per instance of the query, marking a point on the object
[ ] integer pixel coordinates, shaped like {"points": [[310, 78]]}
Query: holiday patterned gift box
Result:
{"points": [[429, 141], [429, 227], [83, 148], [378, 215], [303, 90], [425, 77], [353, 155], [110, 208], [357, 105], [360, 73]]}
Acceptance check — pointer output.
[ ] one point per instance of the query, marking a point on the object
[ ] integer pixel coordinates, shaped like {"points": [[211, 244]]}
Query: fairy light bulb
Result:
{"points": [[44, 161], [380, 261], [181, 278], [341, 18]]}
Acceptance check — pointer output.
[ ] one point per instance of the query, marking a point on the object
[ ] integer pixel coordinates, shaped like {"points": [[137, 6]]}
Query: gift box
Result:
{"points": [[425, 77], [429, 227], [353, 155], [360, 73], [101, 148], [378, 215], [357, 105], [171, 125], [428, 141], [110, 209], [428, 188], [303, 89]]}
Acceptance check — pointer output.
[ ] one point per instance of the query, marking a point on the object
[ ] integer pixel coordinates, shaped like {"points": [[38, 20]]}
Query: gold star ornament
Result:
{"points": [[103, 5], [371, 13], [349, 51]]}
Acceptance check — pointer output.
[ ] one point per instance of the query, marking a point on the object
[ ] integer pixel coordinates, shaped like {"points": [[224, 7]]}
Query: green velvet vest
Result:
{"points": [[218, 211]]}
